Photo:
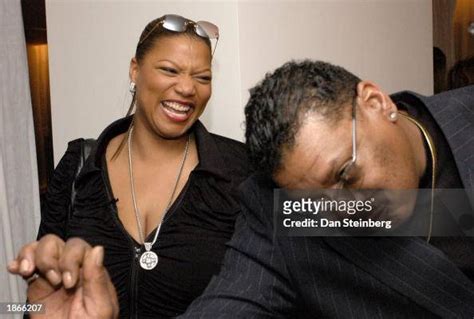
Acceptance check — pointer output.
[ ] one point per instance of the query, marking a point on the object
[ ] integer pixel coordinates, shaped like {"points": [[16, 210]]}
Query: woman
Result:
{"points": [[158, 191]]}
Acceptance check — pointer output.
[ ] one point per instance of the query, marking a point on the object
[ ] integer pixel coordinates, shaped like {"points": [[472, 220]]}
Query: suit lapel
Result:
{"points": [[413, 268], [454, 113]]}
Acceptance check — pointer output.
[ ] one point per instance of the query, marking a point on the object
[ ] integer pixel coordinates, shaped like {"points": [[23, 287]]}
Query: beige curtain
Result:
{"points": [[19, 195]]}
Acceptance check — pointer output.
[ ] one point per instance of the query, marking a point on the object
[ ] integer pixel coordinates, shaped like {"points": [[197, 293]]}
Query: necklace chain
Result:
{"points": [[141, 233], [432, 148]]}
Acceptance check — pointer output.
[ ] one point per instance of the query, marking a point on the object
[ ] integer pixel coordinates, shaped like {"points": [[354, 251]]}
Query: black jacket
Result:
{"points": [[191, 243]]}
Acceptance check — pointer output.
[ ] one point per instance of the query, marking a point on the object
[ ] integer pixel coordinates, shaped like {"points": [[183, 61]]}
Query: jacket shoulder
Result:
{"points": [[226, 143], [464, 96], [234, 153]]}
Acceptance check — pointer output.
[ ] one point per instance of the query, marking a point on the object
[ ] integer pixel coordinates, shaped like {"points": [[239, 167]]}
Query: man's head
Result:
{"points": [[299, 130]]}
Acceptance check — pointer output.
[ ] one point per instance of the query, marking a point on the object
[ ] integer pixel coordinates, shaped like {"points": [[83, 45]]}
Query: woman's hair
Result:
{"points": [[150, 35], [462, 74]]}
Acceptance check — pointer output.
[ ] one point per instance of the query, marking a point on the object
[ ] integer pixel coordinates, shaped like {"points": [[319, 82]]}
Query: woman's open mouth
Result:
{"points": [[177, 111]]}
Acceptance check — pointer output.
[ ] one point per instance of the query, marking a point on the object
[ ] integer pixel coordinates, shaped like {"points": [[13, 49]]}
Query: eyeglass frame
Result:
{"points": [[354, 141], [186, 22]]}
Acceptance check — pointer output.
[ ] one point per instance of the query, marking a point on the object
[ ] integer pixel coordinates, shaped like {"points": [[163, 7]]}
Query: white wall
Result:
{"points": [[386, 41], [91, 43]]}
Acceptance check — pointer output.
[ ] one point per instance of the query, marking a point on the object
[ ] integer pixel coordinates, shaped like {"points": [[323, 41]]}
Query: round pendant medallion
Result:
{"points": [[148, 260]]}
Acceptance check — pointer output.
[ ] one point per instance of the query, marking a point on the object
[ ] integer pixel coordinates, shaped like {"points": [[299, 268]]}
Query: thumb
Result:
{"points": [[99, 296]]}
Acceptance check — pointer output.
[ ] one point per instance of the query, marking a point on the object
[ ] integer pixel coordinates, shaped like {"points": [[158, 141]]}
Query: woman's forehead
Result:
{"points": [[180, 45]]}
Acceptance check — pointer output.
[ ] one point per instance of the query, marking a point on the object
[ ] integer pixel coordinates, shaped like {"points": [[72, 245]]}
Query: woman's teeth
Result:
{"points": [[176, 107]]}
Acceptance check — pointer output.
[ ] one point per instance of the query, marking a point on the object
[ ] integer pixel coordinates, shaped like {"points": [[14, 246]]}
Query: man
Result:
{"points": [[301, 134]]}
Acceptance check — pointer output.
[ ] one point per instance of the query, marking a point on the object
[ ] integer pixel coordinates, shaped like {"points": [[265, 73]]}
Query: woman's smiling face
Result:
{"points": [[173, 84]]}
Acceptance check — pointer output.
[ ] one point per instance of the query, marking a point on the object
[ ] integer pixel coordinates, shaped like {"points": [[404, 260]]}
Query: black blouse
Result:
{"points": [[191, 243]]}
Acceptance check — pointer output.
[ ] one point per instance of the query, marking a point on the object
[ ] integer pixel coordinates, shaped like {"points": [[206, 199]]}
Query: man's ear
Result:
{"points": [[133, 70], [372, 98]]}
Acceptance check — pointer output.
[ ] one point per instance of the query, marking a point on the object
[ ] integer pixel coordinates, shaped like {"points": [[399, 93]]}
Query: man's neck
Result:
{"points": [[416, 140]]}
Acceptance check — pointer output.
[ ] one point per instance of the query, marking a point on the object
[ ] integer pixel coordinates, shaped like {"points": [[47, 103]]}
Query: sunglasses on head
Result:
{"points": [[176, 23]]}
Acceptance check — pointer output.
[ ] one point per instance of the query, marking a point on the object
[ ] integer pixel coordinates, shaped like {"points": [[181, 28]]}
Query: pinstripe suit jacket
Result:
{"points": [[266, 276]]}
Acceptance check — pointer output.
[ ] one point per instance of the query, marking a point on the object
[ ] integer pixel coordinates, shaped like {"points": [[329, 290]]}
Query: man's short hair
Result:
{"points": [[277, 105]]}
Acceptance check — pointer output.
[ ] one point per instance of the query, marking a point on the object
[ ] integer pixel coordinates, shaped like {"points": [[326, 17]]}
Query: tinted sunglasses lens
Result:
{"points": [[207, 29], [174, 22]]}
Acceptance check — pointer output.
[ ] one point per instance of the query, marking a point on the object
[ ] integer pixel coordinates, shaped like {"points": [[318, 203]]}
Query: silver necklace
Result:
{"points": [[149, 259]]}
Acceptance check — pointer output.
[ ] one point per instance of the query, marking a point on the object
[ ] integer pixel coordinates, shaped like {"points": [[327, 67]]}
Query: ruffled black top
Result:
{"points": [[191, 243]]}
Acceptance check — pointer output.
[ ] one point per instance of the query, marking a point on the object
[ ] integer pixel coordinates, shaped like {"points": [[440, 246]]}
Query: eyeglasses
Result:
{"points": [[345, 172], [176, 23]]}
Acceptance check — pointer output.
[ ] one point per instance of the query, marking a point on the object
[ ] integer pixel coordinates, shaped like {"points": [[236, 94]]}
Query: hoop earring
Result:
{"points": [[132, 87], [393, 116]]}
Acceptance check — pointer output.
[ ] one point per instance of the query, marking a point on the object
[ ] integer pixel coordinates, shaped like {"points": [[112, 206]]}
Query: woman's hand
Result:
{"points": [[69, 279]]}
